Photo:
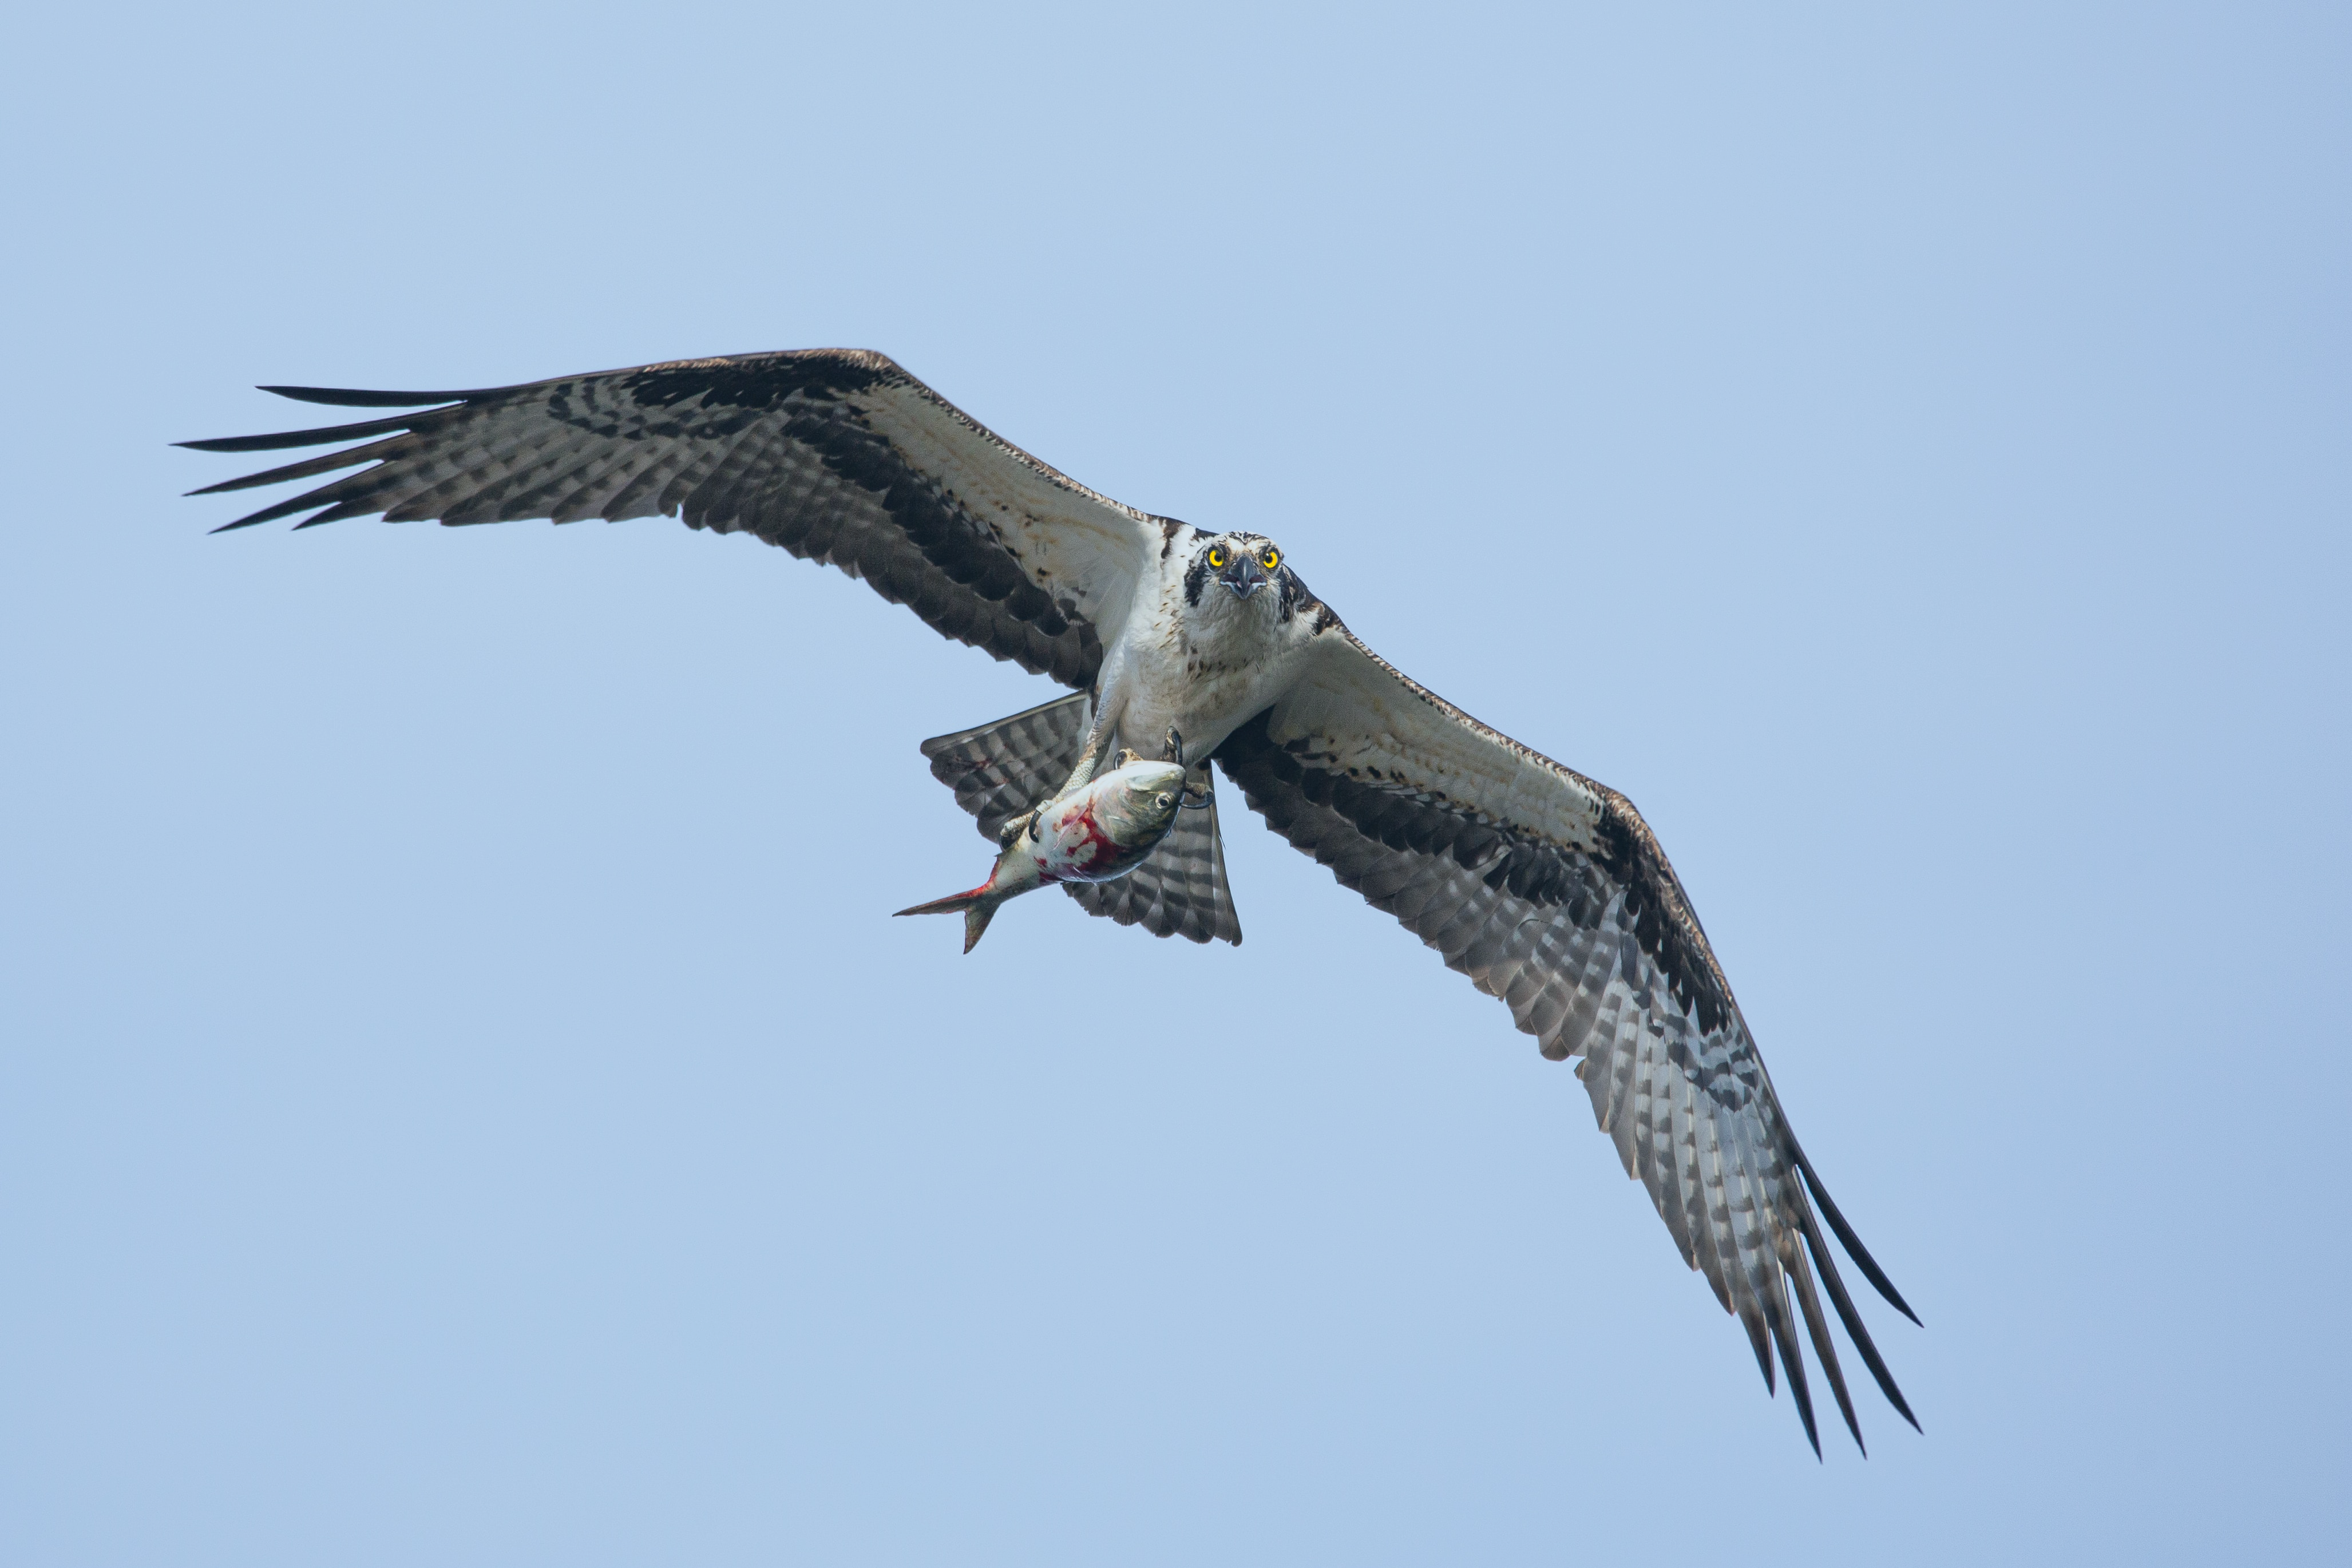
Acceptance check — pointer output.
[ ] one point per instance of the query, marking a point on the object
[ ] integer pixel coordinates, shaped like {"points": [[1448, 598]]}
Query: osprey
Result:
{"points": [[1545, 888]]}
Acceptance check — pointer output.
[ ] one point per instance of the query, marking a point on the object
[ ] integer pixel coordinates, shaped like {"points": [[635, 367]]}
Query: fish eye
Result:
{"points": [[1162, 799], [1271, 559], [1216, 556]]}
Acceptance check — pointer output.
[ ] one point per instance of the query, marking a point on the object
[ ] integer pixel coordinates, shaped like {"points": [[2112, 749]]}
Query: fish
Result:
{"points": [[1096, 832]]}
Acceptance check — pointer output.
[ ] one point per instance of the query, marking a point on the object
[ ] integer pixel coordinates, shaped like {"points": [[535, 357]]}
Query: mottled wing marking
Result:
{"points": [[835, 455], [1003, 769], [1182, 890], [1000, 770], [1550, 892]]}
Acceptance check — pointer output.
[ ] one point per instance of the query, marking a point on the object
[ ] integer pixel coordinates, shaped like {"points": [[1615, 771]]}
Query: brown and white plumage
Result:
{"points": [[836, 455], [1546, 888], [1550, 892]]}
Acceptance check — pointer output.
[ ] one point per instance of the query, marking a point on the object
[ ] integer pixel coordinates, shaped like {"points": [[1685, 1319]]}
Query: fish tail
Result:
{"points": [[978, 907], [975, 920]]}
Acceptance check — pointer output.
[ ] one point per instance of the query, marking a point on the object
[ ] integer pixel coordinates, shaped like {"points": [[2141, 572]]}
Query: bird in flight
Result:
{"points": [[1546, 888]]}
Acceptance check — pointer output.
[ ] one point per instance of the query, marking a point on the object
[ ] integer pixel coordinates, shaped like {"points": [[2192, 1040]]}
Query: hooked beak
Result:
{"points": [[1245, 577]]}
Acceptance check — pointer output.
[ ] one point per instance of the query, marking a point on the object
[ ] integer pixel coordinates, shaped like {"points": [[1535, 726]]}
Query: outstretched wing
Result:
{"points": [[1549, 892], [836, 455]]}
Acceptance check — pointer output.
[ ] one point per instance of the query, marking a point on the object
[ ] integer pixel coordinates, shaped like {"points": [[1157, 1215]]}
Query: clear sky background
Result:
{"points": [[462, 1100]]}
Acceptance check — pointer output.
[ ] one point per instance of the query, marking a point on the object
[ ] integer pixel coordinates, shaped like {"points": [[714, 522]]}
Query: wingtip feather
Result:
{"points": [[1792, 1361], [1856, 1329], [1816, 1328], [279, 440], [355, 397], [1852, 1242]]}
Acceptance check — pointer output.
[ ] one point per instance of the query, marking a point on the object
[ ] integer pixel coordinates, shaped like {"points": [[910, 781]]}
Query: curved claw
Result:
{"points": [[1197, 796]]}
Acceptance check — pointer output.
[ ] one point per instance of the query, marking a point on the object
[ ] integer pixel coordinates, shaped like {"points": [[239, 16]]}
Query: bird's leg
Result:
{"points": [[1083, 775], [1196, 795], [1099, 736]]}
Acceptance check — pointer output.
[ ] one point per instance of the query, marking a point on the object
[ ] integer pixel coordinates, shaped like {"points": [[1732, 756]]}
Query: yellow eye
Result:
{"points": [[1271, 559], [1216, 557]]}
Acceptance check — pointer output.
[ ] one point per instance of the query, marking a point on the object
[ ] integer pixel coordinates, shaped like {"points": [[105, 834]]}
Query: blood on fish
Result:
{"points": [[1070, 841]]}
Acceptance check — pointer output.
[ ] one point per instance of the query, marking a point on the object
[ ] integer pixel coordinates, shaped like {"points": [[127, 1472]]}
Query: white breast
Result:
{"points": [[1201, 668]]}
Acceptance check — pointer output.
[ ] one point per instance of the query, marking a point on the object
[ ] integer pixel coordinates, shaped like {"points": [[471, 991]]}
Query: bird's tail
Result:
{"points": [[999, 771], [978, 907]]}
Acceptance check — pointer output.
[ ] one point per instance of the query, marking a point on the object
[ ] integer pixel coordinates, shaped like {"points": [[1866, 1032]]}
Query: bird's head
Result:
{"points": [[1237, 567]]}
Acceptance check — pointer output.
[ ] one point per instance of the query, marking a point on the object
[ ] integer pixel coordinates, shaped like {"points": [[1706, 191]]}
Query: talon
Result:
{"points": [[1174, 750]]}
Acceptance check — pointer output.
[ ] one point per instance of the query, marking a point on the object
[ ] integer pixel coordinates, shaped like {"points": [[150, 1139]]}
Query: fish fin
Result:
{"points": [[953, 904], [978, 907], [976, 921]]}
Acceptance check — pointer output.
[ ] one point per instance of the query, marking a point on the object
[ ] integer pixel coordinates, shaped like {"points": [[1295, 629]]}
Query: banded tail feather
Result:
{"points": [[1001, 769]]}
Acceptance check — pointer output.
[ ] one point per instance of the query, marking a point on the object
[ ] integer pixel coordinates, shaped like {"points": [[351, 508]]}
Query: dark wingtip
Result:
{"points": [[1856, 1330], [353, 397], [278, 440], [228, 444], [1852, 1242], [1792, 1361], [1825, 1348]]}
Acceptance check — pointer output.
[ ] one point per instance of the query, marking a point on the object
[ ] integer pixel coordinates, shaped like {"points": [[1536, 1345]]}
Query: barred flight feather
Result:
{"points": [[999, 771], [1583, 943], [835, 455]]}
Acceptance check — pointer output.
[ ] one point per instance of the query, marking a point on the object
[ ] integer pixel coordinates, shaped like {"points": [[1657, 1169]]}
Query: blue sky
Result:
{"points": [[461, 1099]]}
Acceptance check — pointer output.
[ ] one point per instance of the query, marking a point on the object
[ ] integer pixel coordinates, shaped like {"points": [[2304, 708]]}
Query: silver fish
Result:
{"points": [[1093, 834]]}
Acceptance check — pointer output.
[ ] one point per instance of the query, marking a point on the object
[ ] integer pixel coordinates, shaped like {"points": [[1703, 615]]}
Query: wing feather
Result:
{"points": [[1550, 892], [835, 455]]}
